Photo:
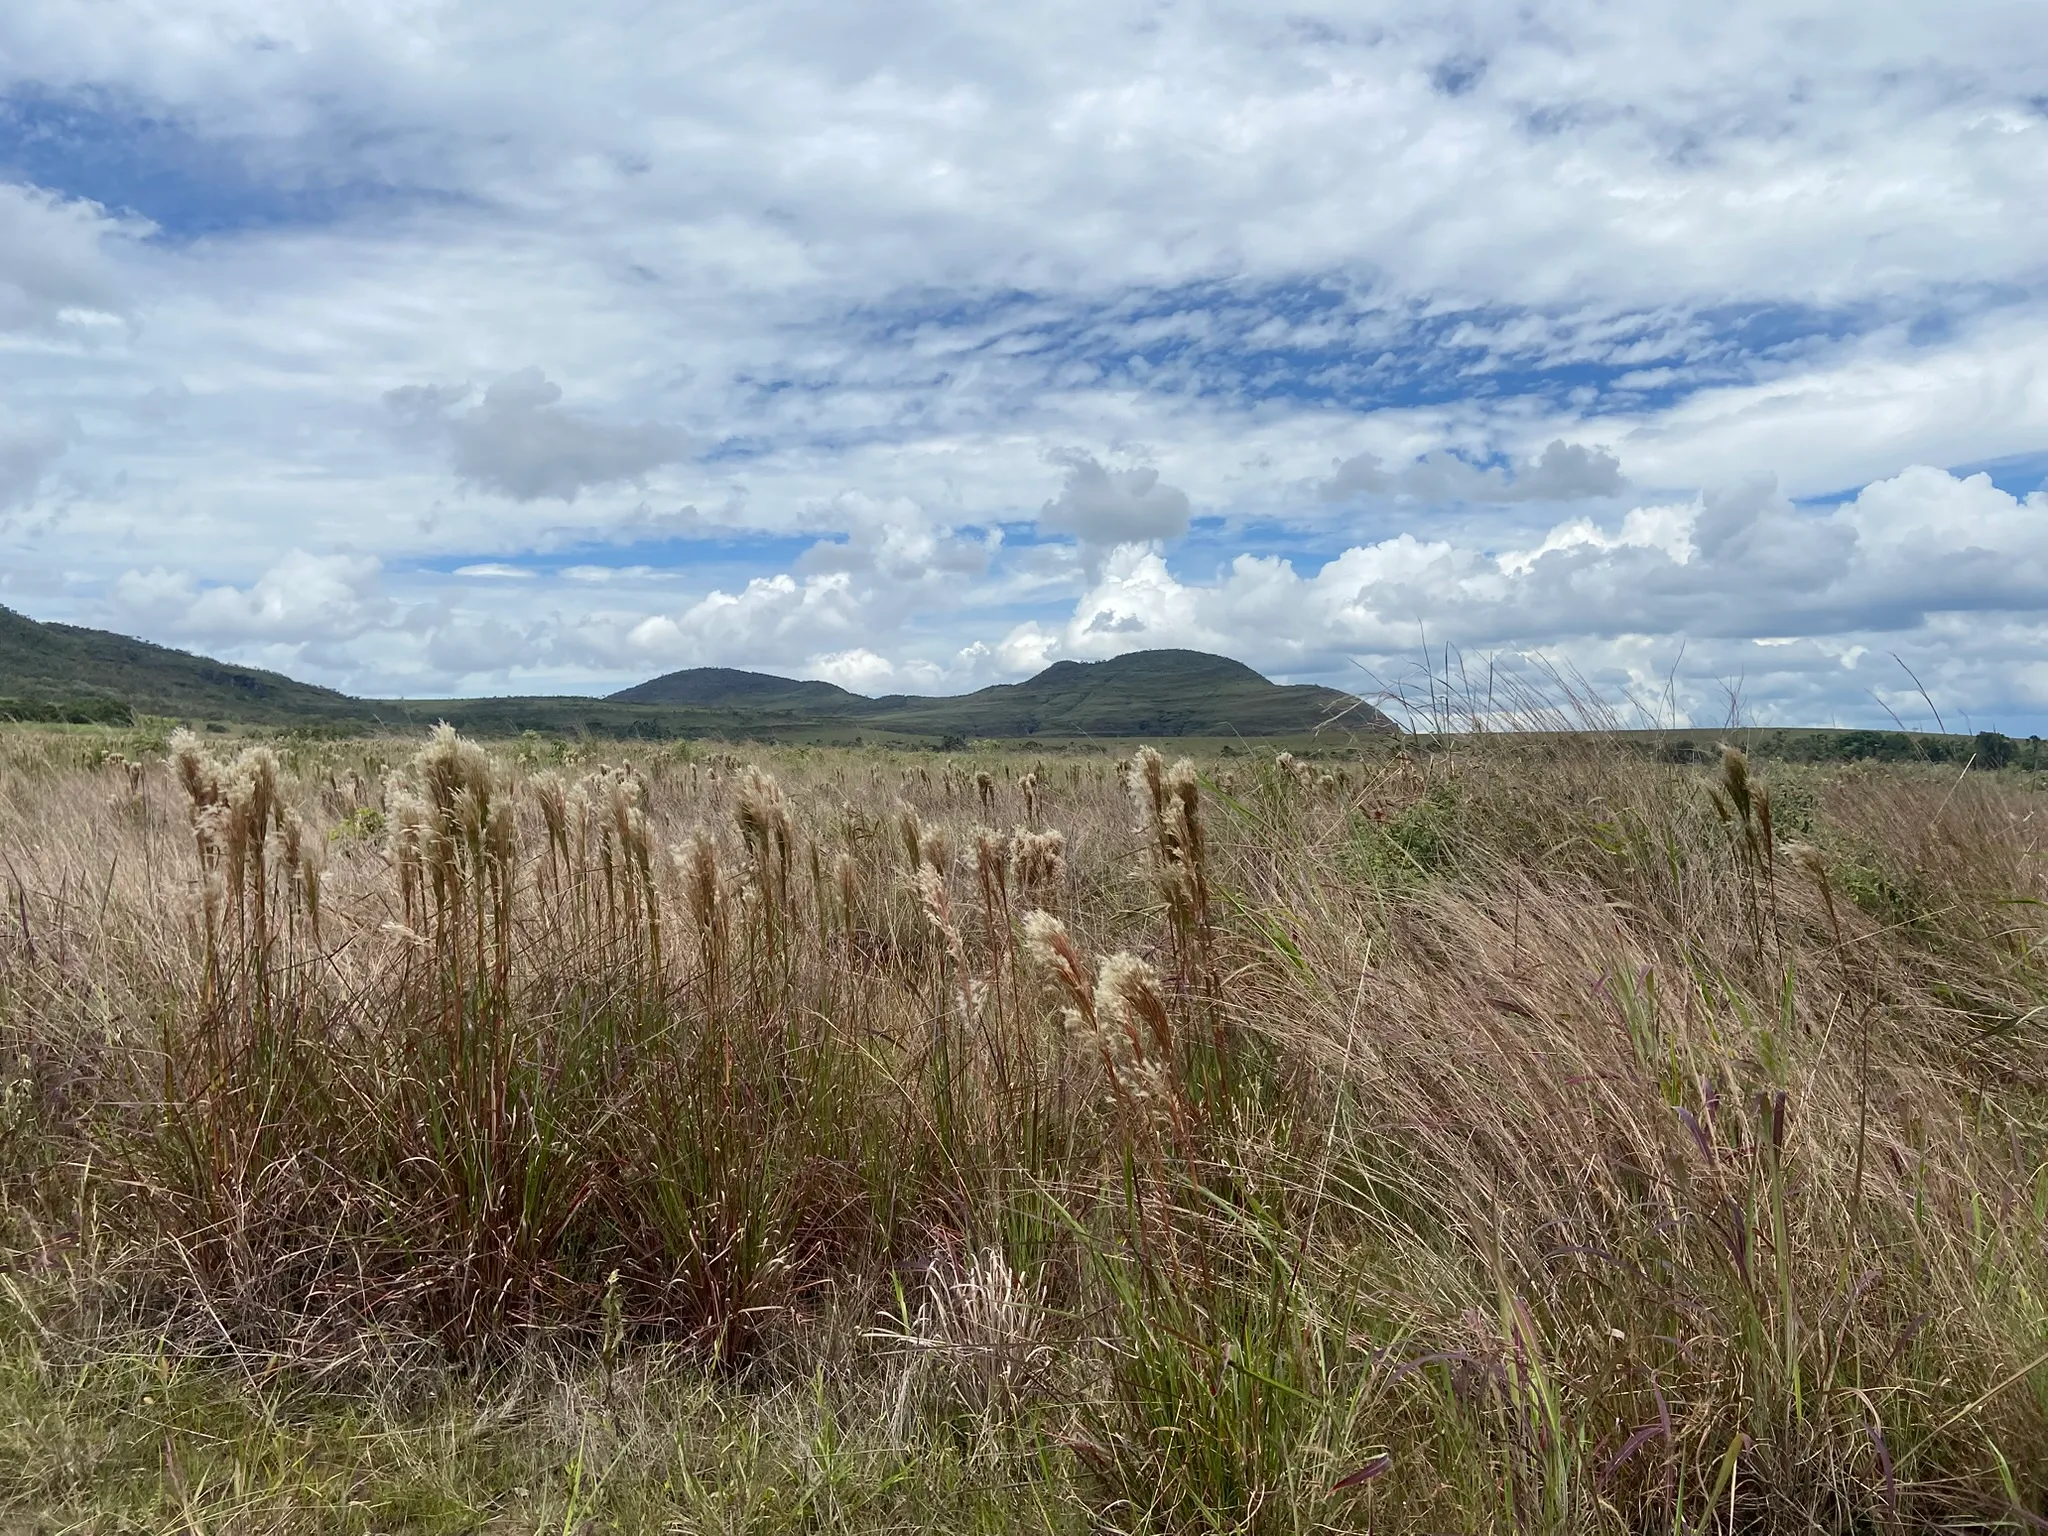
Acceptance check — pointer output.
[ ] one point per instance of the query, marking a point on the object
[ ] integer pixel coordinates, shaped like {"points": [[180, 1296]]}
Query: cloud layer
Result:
{"points": [[434, 348], [1564, 472]]}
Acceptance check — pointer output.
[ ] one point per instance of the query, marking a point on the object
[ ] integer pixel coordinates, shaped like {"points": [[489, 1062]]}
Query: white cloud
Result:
{"points": [[1668, 529], [1860, 411], [300, 599], [895, 563], [1105, 507], [826, 617], [773, 618], [54, 265], [1918, 554], [1451, 270], [860, 669], [521, 442], [1801, 147]]}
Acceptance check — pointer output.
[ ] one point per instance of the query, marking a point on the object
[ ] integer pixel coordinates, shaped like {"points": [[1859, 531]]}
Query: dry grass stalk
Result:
{"points": [[1489, 1138]]}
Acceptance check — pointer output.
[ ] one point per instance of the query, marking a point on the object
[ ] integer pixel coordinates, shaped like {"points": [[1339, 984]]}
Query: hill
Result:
{"points": [[63, 671], [1146, 693], [728, 687], [67, 673]]}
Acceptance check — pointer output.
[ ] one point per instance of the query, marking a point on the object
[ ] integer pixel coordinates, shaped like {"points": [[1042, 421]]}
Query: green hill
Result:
{"points": [[727, 688], [1147, 693], [64, 672]]}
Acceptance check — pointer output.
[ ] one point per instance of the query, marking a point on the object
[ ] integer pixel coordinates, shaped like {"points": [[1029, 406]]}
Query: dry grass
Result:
{"points": [[404, 1136]]}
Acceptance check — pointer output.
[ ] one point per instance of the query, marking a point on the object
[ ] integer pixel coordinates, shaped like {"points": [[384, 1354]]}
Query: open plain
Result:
{"points": [[1478, 1134]]}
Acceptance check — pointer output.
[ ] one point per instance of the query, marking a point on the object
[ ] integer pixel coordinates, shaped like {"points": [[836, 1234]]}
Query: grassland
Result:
{"points": [[1517, 1134]]}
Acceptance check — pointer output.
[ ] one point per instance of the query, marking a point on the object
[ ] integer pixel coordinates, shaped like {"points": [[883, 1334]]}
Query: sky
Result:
{"points": [[433, 347]]}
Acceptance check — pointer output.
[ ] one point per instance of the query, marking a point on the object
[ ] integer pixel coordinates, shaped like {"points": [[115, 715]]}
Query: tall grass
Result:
{"points": [[1513, 1134]]}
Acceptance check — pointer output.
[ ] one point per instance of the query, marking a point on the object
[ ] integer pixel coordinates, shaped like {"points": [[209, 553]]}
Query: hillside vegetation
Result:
{"points": [[63, 672], [728, 687], [57, 672], [1525, 1135], [1145, 693], [54, 673]]}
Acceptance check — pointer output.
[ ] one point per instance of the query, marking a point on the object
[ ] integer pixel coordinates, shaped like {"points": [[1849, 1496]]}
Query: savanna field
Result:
{"points": [[1477, 1134]]}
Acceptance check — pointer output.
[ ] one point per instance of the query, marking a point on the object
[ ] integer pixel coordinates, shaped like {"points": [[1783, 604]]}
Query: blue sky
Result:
{"points": [[422, 346]]}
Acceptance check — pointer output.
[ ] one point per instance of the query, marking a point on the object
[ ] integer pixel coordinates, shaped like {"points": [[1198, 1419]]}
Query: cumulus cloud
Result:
{"points": [[832, 616], [521, 442], [825, 618], [1562, 472], [835, 615], [1105, 507], [1568, 472], [1909, 554], [302, 598], [772, 620], [900, 563], [860, 670]]}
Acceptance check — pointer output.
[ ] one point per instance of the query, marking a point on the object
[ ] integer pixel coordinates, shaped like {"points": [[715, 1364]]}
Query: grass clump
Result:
{"points": [[1513, 1135]]}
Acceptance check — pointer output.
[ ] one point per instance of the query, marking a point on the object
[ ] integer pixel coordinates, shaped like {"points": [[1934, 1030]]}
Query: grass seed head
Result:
{"points": [[1040, 858], [696, 863], [197, 771]]}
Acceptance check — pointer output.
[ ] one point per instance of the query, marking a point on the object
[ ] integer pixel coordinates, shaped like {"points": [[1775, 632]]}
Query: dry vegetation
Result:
{"points": [[1505, 1137]]}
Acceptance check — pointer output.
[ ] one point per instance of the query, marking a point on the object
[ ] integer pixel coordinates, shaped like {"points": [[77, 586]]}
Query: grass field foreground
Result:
{"points": [[399, 1135]]}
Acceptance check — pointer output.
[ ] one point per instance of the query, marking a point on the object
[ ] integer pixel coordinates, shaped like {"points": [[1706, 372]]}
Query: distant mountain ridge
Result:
{"points": [[1142, 693], [63, 671]]}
